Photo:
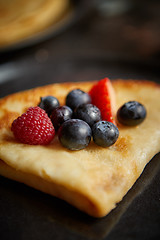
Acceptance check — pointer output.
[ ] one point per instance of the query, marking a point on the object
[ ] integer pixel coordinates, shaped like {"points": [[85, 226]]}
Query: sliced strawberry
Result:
{"points": [[103, 96]]}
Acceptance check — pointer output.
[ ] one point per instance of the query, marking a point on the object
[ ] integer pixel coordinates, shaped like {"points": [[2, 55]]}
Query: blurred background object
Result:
{"points": [[114, 38], [132, 27], [126, 28], [25, 22]]}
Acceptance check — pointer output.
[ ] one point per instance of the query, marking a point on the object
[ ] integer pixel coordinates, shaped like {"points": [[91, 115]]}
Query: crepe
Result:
{"points": [[94, 179], [20, 19]]}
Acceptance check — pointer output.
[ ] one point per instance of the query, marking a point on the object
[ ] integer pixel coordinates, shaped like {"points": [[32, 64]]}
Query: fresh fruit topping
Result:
{"points": [[75, 134], [33, 127], [103, 96], [59, 115], [48, 103], [77, 97], [88, 113], [105, 133], [131, 113]]}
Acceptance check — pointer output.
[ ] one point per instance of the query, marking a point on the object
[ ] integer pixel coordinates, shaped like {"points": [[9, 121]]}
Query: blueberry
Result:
{"points": [[88, 113], [59, 115], [131, 113], [77, 97], [48, 103], [75, 134], [105, 133]]}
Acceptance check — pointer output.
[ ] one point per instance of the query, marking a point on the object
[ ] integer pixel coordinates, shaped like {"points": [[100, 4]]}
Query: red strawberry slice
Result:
{"points": [[103, 96]]}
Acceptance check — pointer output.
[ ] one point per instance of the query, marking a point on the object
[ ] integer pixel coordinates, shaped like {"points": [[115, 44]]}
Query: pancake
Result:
{"points": [[94, 179], [20, 19]]}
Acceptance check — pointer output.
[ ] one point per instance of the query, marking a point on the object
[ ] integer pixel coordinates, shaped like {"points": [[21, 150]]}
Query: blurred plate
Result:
{"points": [[72, 13]]}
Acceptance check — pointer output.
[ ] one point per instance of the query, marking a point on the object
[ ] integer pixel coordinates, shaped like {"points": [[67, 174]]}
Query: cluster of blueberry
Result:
{"points": [[79, 120]]}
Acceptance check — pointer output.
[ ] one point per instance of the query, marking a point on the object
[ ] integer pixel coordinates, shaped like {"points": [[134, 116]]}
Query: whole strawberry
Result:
{"points": [[33, 127]]}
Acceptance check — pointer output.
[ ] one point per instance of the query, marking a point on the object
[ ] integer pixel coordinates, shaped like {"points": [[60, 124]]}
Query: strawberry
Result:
{"points": [[103, 96]]}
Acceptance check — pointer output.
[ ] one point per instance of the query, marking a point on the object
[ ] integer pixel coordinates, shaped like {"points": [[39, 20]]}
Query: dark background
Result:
{"points": [[117, 39]]}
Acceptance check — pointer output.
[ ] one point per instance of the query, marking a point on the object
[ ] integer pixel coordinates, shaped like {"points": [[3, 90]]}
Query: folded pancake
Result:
{"points": [[20, 19], [93, 179]]}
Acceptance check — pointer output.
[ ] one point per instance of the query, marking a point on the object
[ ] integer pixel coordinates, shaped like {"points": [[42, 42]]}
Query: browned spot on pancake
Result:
{"points": [[7, 119], [123, 144], [8, 138], [135, 170], [113, 181], [134, 83]]}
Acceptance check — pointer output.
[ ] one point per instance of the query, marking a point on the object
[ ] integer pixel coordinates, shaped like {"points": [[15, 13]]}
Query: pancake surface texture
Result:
{"points": [[93, 179]]}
